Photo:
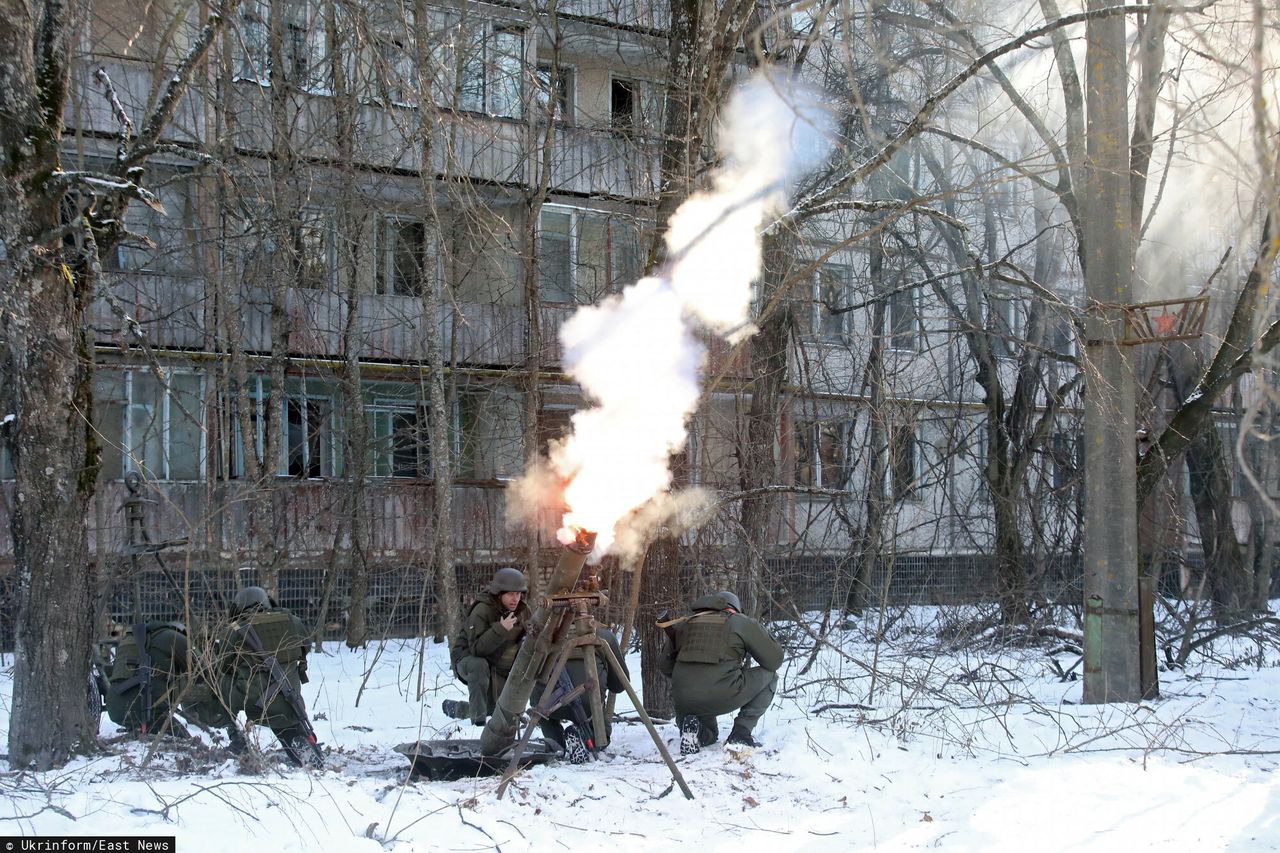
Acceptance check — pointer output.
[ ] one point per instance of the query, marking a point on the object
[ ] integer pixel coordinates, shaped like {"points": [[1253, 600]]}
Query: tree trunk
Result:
{"points": [[660, 593], [769, 368], [1229, 580], [52, 441]]}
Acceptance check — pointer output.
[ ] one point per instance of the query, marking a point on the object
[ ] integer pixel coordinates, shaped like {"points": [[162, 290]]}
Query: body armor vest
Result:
{"points": [[706, 638], [275, 630]]}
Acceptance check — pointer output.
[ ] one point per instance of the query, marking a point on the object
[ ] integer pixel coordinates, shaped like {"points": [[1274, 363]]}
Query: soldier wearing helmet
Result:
{"points": [[485, 648], [246, 682], [709, 661]]}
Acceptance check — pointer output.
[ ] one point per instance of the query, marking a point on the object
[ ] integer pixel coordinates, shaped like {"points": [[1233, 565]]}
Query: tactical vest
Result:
{"points": [[706, 638], [275, 631]]}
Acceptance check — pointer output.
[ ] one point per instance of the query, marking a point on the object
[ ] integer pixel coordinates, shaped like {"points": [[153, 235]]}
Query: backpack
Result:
{"points": [[460, 643]]}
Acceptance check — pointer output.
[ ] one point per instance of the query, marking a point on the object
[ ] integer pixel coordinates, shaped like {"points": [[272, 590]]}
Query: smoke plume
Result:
{"points": [[637, 355]]}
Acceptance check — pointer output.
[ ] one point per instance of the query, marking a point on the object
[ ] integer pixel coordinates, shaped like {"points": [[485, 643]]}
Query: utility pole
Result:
{"points": [[1111, 659]]}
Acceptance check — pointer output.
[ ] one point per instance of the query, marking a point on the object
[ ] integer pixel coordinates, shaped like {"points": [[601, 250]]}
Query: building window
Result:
{"points": [[554, 423], [406, 259], [488, 431], [635, 106], [394, 73], [1063, 450], [308, 439], [492, 69], [302, 45], [1004, 320], [978, 437], [313, 246], [150, 424], [396, 446], [830, 294], [904, 461], [822, 453], [474, 424], [558, 101], [232, 462], [171, 233], [584, 256], [902, 319], [310, 260], [1062, 339]]}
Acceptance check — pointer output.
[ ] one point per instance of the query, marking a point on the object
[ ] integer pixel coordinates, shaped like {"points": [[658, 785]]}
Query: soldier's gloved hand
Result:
{"points": [[302, 671]]}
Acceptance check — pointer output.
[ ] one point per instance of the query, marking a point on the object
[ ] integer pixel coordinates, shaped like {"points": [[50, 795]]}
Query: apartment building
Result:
{"points": [[363, 202]]}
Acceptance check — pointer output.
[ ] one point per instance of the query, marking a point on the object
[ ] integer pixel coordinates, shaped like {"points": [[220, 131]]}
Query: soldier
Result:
{"points": [[485, 648], [706, 661], [148, 677], [260, 633], [575, 739]]}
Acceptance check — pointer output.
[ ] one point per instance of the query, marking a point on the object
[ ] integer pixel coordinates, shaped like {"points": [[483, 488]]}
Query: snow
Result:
{"points": [[973, 749]]}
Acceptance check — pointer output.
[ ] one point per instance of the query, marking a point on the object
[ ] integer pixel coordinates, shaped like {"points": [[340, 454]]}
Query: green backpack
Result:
{"points": [[460, 643]]}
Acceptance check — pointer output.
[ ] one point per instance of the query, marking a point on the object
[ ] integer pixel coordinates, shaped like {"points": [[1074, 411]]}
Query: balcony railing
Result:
{"points": [[585, 160]]}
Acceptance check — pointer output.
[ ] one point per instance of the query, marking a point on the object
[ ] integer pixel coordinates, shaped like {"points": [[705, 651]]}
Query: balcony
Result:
{"points": [[584, 160]]}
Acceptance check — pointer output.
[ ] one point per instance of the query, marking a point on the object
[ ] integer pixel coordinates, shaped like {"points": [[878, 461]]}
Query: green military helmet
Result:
{"points": [[251, 596], [508, 580], [731, 599]]}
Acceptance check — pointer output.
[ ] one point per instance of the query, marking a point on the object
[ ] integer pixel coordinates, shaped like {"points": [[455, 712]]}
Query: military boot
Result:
{"points": [[741, 737], [690, 735], [460, 710], [235, 741], [300, 753], [575, 750]]}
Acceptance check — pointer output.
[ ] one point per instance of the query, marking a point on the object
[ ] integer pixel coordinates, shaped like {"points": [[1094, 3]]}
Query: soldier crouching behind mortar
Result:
{"points": [[258, 635], [485, 648], [576, 739], [706, 660]]}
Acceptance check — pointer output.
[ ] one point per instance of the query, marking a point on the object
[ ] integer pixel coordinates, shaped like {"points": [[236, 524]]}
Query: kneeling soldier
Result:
{"points": [[484, 651], [577, 739], [263, 660], [706, 660], [148, 676]]}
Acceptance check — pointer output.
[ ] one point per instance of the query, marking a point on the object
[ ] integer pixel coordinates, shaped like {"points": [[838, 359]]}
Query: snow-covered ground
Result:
{"points": [[976, 749]]}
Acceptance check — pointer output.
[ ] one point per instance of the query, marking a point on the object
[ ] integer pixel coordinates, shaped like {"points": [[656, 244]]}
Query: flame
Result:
{"points": [[579, 539]]}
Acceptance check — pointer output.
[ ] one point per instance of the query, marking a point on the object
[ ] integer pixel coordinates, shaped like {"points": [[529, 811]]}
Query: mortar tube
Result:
{"points": [[500, 732]]}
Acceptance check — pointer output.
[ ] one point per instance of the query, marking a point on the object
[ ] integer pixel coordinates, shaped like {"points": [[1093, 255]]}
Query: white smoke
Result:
{"points": [[637, 355]]}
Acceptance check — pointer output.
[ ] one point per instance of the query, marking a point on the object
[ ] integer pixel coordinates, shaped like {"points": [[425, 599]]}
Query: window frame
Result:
{"points": [[910, 490], [254, 63], [895, 337], [613, 276], [385, 465], [807, 434], [386, 275], [820, 318], [566, 80], [490, 77], [327, 466], [132, 454], [1006, 320], [647, 97]]}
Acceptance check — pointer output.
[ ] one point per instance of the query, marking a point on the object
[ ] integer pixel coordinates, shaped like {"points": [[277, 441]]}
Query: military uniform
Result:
{"points": [[483, 653], [706, 660], [245, 682], [576, 665], [166, 643]]}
